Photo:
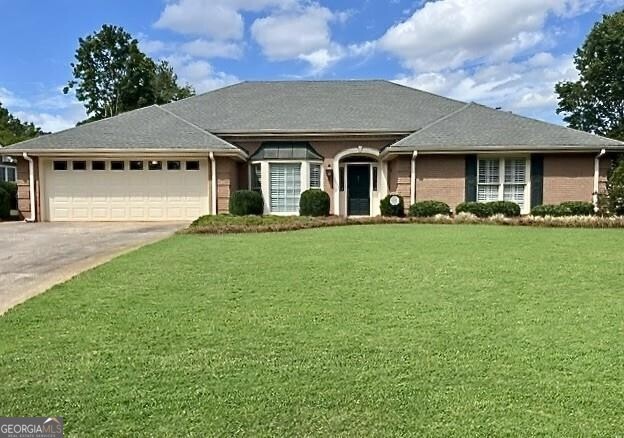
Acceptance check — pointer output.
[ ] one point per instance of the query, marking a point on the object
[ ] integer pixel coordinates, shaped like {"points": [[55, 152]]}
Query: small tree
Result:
{"points": [[615, 190]]}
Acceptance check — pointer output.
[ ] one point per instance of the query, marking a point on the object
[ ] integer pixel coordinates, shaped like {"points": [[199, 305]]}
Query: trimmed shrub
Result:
{"points": [[387, 209], [314, 202], [429, 209], [5, 204], [551, 210], [506, 208], [579, 208], [11, 189], [479, 209], [245, 203]]}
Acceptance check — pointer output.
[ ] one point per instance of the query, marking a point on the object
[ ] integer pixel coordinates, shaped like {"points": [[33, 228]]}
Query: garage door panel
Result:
{"points": [[118, 213], [126, 196], [137, 213]]}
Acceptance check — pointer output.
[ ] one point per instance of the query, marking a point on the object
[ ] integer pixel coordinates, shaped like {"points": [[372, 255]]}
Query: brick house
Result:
{"points": [[357, 140]]}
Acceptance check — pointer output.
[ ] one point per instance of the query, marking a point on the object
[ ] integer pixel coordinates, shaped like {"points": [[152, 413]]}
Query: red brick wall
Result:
{"points": [[568, 177], [227, 182], [400, 177], [441, 178], [23, 188]]}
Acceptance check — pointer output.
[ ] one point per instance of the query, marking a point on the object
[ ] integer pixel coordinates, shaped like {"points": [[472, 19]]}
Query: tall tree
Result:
{"points": [[166, 88], [595, 103], [13, 130], [112, 75]]}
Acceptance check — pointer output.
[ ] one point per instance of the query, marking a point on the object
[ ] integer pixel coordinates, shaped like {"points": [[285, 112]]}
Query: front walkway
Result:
{"points": [[34, 257]]}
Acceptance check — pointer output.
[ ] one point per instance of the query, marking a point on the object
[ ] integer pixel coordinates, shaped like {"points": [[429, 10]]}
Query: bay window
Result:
{"points": [[503, 179], [281, 171]]}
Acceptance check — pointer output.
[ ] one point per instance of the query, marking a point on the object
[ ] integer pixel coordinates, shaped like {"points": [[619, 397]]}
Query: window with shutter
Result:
{"points": [[502, 179], [256, 177], [285, 182], [515, 181], [488, 180], [315, 176]]}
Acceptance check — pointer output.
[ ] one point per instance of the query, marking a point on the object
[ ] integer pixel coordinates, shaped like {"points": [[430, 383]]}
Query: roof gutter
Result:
{"points": [[31, 186], [597, 177], [213, 184], [498, 150], [126, 152], [413, 179]]}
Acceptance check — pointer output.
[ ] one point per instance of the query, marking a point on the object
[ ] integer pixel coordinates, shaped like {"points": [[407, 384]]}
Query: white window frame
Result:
{"points": [[265, 180], [526, 208], [320, 167], [4, 170]]}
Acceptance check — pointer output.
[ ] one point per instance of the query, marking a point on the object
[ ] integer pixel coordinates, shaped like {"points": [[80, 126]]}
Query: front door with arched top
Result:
{"points": [[358, 189]]}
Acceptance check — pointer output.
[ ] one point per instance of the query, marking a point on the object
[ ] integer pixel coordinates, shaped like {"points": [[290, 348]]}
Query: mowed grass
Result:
{"points": [[387, 330]]}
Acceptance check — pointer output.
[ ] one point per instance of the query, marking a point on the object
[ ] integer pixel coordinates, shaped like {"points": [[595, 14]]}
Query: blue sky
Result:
{"points": [[500, 53]]}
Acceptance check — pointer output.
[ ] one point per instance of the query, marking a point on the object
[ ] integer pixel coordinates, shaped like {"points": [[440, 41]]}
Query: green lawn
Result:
{"points": [[356, 331]]}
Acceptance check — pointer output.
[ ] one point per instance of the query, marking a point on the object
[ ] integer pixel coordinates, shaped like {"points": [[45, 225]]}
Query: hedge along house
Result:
{"points": [[357, 140]]}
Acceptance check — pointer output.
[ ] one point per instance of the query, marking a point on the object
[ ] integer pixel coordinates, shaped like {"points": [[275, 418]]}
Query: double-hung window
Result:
{"points": [[502, 179], [514, 185], [285, 187], [489, 180], [315, 176]]}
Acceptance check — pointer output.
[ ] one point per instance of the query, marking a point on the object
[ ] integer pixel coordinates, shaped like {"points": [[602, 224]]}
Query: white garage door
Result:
{"points": [[125, 190]]}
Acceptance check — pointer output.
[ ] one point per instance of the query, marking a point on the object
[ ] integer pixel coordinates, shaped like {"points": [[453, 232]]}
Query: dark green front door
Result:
{"points": [[358, 190]]}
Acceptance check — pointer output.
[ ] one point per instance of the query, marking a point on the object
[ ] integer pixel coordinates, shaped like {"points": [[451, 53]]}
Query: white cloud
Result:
{"points": [[303, 33], [199, 73], [199, 47], [448, 33], [200, 17], [9, 99], [525, 87], [49, 122], [212, 49], [50, 110], [217, 19], [320, 60], [153, 47]]}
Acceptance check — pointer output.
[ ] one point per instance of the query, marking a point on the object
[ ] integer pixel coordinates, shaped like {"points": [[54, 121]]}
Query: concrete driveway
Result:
{"points": [[34, 257]]}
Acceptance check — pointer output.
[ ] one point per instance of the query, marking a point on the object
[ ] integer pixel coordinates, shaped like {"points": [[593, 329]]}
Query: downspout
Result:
{"points": [[597, 177], [213, 184], [413, 179], [31, 184]]}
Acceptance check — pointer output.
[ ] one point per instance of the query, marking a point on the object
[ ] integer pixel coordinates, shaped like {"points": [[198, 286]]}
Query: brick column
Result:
{"points": [[23, 188]]}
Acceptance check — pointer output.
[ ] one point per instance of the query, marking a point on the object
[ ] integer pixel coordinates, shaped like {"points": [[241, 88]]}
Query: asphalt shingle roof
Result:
{"points": [[435, 122], [147, 128], [479, 127], [314, 106]]}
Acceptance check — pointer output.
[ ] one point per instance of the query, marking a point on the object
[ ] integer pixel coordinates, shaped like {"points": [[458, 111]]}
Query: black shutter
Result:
{"points": [[471, 178], [537, 180]]}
